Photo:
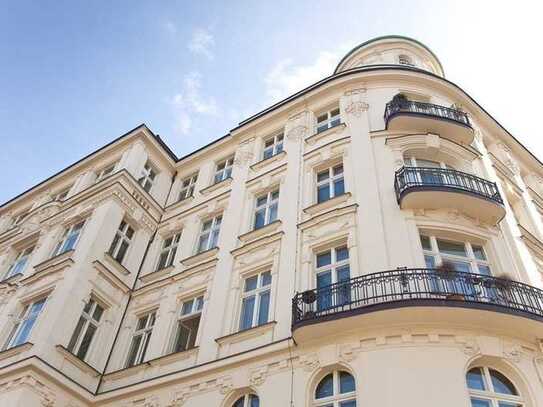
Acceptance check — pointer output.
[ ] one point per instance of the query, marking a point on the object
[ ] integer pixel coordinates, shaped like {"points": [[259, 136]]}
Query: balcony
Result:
{"points": [[411, 296], [435, 188], [411, 116]]}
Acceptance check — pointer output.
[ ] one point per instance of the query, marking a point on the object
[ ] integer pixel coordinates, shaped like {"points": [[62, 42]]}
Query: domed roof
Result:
{"points": [[387, 40]]}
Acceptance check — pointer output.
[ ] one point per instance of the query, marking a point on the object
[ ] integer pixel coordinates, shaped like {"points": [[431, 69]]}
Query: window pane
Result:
{"points": [[199, 303], [254, 401], [247, 309], [98, 311], [266, 279], [186, 333], [122, 251], [453, 248], [260, 219], [325, 387], [508, 404], [339, 187], [322, 118], [75, 335], [342, 253], [114, 244], [323, 193], [251, 283], [346, 382], [338, 169], [272, 213], [202, 243], [323, 175], [343, 274], [348, 403], [480, 402], [214, 238], [264, 308], [430, 262], [162, 260], [501, 383], [86, 342], [141, 323], [475, 379], [425, 242], [133, 353], [239, 402], [459, 266], [484, 270], [268, 153], [187, 307], [478, 252], [324, 259], [334, 112], [324, 279]]}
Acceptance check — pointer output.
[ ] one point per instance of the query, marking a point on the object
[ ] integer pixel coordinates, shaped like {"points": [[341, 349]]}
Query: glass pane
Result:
{"points": [[323, 175], [129, 232], [275, 195], [324, 279], [24, 332], [478, 252], [134, 347], [141, 323], [346, 382], [239, 402], [114, 244], [484, 269], [323, 193], [348, 403], [266, 279], [186, 334], [264, 308], [430, 262], [338, 169], [325, 387], [425, 242], [199, 303], [324, 259], [343, 274], [122, 251], [187, 307], [260, 219], [98, 311], [334, 112], [268, 153], [342, 253], [86, 342], [254, 401], [475, 402], [322, 118], [272, 213], [453, 248], [475, 379], [75, 335], [501, 383], [339, 187], [261, 200], [508, 404], [162, 260], [251, 283], [247, 309], [459, 266], [214, 238]]}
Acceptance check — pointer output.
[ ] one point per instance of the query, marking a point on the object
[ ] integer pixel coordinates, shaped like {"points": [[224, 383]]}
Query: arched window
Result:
{"points": [[490, 388], [247, 400], [336, 389]]}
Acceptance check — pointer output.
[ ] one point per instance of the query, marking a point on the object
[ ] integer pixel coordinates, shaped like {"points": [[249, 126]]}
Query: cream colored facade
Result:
{"points": [[407, 337]]}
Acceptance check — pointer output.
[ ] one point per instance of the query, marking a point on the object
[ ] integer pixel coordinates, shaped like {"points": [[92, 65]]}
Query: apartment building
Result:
{"points": [[375, 239]]}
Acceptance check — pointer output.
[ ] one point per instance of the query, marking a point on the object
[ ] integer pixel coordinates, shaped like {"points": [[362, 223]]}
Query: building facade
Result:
{"points": [[375, 239]]}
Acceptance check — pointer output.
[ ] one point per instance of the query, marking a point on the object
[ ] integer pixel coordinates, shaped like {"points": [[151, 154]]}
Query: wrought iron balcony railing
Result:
{"points": [[418, 287], [400, 105], [425, 178]]}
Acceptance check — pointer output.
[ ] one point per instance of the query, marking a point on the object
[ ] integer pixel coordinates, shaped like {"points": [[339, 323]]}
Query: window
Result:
{"points": [[330, 183], [255, 303], [266, 209], [105, 172], [332, 266], [19, 264], [121, 241], [336, 389], [85, 329], [328, 120], [223, 170], [429, 176], [405, 60], [187, 187], [461, 256], [272, 146], [248, 400], [169, 249], [62, 194], [209, 236], [69, 239], [147, 177], [24, 323], [489, 388], [140, 339], [187, 324]]}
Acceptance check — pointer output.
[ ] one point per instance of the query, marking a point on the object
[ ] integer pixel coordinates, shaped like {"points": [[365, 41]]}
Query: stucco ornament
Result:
{"points": [[258, 376], [225, 384], [348, 352], [355, 100], [244, 155], [297, 126], [47, 396], [471, 347], [310, 362], [513, 353]]}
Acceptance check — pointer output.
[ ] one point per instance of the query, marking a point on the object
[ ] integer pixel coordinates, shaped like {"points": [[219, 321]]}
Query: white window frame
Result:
{"points": [[247, 400], [337, 398], [214, 229], [276, 146], [20, 262], [332, 120], [105, 172], [145, 332], [334, 263], [148, 176], [267, 206], [258, 292], [68, 233], [187, 190], [169, 249], [490, 394], [226, 172], [331, 180], [124, 234], [26, 314], [76, 340], [195, 312]]}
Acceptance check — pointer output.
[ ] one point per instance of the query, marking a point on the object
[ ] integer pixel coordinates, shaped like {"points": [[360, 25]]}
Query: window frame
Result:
{"points": [[171, 248], [120, 237], [330, 181], [22, 253], [489, 394], [267, 207], [66, 235], [225, 172], [258, 292], [145, 333], [148, 176], [25, 315], [276, 147], [196, 311], [337, 397], [79, 334], [246, 400], [191, 186], [212, 229], [330, 121]]}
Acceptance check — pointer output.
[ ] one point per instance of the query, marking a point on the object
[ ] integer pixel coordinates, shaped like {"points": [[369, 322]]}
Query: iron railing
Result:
{"points": [[400, 105], [396, 288], [409, 178]]}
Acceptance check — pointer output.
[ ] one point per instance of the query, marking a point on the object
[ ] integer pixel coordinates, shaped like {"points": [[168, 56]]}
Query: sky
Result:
{"points": [[76, 74]]}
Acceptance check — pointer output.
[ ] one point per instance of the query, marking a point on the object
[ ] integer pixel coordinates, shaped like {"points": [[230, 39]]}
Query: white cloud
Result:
{"points": [[190, 102], [201, 43]]}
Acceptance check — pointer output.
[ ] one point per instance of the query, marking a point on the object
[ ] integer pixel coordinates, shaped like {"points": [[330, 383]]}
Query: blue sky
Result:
{"points": [[77, 74]]}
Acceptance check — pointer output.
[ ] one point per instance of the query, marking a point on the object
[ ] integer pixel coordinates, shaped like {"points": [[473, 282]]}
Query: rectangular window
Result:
{"points": [[266, 209], [20, 262], [255, 303], [69, 239], [330, 183], [209, 236], [328, 120], [187, 324], [187, 187], [223, 170], [105, 172], [147, 177], [121, 241], [140, 339], [169, 249], [86, 328], [24, 323], [332, 267], [272, 146]]}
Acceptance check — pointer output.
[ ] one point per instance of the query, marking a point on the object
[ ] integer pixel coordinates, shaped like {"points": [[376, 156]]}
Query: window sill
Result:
{"points": [[55, 261], [115, 264], [323, 206], [224, 183], [179, 204], [314, 138], [246, 333], [264, 163], [74, 360], [173, 357], [200, 257], [263, 231], [9, 280], [155, 275], [16, 350]]}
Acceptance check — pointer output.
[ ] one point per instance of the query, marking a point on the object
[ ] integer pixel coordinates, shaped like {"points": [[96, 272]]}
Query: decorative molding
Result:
{"points": [[297, 126], [47, 396], [258, 376], [309, 362], [513, 352], [357, 108]]}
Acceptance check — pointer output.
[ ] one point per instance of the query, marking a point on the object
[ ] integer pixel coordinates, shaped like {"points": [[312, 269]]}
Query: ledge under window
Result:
{"points": [[183, 202], [74, 360], [54, 261], [16, 350], [262, 231], [115, 264], [328, 204], [200, 257], [246, 333], [314, 138], [213, 187], [263, 163], [10, 279], [154, 275]]}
